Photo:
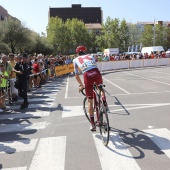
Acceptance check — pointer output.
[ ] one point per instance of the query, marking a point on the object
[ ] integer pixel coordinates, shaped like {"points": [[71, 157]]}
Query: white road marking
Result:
{"points": [[22, 127], [32, 106], [161, 137], [50, 88], [50, 154], [16, 168], [50, 85], [127, 94], [148, 79], [150, 127], [116, 86], [45, 92], [160, 72], [18, 146], [141, 93], [25, 115], [141, 107], [115, 155], [71, 111], [66, 93], [39, 99]]}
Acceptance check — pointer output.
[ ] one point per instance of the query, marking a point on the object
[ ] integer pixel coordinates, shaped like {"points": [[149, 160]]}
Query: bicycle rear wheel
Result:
{"points": [[85, 108], [104, 126]]}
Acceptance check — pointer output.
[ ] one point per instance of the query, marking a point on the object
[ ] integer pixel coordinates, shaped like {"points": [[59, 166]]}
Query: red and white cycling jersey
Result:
{"points": [[85, 63]]}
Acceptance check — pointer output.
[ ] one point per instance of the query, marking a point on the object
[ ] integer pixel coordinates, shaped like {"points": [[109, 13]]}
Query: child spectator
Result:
{"points": [[3, 85]]}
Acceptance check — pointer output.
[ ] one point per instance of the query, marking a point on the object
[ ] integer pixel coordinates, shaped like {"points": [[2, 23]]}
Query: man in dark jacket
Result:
{"points": [[22, 72]]}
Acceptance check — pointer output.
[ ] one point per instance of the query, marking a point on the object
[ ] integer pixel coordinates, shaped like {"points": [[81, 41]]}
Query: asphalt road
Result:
{"points": [[53, 132]]}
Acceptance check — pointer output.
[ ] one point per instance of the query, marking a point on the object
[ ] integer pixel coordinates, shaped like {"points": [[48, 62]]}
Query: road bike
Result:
{"points": [[100, 110]]}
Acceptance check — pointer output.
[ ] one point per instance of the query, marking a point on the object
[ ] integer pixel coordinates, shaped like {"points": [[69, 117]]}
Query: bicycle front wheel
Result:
{"points": [[104, 126], [85, 108]]}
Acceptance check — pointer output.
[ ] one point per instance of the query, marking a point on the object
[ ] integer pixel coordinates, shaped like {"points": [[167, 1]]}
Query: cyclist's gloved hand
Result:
{"points": [[81, 88]]}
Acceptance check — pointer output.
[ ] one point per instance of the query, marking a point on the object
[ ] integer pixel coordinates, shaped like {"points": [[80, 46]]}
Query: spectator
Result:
{"points": [[152, 55], [7, 66], [9, 69], [14, 91], [137, 56], [163, 54], [36, 69], [117, 57], [100, 58], [3, 85], [96, 58], [22, 70], [30, 78], [46, 66], [16, 58], [111, 58], [61, 63], [106, 58]]}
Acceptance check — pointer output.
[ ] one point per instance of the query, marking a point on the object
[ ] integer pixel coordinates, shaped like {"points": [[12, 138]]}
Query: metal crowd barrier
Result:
{"points": [[7, 91]]}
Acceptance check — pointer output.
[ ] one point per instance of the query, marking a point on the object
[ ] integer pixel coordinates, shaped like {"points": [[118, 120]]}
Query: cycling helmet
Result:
{"points": [[81, 49]]}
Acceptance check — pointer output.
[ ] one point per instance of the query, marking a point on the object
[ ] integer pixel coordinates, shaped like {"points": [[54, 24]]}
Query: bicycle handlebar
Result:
{"points": [[83, 91]]}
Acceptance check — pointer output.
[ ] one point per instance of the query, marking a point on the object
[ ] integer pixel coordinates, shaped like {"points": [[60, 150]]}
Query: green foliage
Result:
{"points": [[66, 36], [16, 38], [147, 36], [167, 46], [114, 34], [4, 48], [158, 37], [14, 33], [134, 35]]}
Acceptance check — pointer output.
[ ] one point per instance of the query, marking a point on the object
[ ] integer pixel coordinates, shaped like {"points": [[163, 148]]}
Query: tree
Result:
{"points": [[161, 35], [4, 48], [123, 35], [167, 38], [114, 34], [134, 35], [147, 36], [66, 36], [14, 34], [55, 33]]}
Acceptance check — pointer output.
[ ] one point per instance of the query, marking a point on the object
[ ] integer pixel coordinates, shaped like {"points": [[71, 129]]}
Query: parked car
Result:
{"points": [[152, 49], [168, 51]]}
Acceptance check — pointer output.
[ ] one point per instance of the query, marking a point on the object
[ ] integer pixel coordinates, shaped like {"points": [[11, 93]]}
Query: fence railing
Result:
{"points": [[117, 65], [128, 64]]}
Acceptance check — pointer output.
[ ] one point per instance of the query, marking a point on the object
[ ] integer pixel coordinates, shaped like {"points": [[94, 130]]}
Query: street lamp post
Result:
{"points": [[154, 33], [124, 44]]}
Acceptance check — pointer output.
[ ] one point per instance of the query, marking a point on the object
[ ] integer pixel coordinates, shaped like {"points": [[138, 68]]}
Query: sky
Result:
{"points": [[34, 13]]}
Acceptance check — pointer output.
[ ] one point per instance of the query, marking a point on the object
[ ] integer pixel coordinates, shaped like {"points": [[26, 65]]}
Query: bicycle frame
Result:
{"points": [[97, 101]]}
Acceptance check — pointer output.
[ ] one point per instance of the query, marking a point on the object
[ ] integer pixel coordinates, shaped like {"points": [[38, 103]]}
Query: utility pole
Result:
{"points": [[154, 33]]}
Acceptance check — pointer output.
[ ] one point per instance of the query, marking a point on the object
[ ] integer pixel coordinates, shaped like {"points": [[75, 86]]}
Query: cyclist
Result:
{"points": [[91, 74]]}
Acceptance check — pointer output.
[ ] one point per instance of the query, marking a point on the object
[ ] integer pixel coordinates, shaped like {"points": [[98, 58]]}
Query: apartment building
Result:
{"points": [[3, 13], [86, 14], [140, 25]]}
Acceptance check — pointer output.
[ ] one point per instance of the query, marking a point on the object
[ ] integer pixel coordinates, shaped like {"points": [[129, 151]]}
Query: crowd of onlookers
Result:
{"points": [[15, 70], [22, 73], [131, 56]]}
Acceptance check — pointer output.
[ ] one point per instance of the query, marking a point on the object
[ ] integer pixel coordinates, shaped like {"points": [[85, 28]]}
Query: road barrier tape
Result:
{"points": [[38, 73]]}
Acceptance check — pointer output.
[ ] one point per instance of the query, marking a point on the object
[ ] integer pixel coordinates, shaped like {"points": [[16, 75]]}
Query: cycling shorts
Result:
{"points": [[90, 77]]}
